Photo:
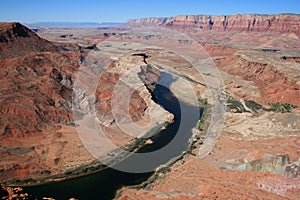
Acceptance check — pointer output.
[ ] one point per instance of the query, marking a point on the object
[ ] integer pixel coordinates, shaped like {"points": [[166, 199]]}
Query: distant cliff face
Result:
{"points": [[281, 23], [153, 21]]}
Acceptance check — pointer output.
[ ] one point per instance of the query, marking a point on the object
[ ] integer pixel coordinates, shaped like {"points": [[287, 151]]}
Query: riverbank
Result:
{"points": [[91, 168], [195, 142], [108, 181], [58, 157]]}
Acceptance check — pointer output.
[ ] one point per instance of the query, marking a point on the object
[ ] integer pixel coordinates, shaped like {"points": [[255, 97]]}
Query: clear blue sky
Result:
{"points": [[121, 10]]}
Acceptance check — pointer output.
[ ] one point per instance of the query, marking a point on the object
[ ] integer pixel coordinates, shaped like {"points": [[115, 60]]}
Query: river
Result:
{"points": [[104, 184]]}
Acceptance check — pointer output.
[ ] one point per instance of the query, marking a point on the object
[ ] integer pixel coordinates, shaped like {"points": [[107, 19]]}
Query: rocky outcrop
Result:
{"points": [[18, 40], [275, 85], [150, 76], [35, 92], [14, 193], [274, 164], [137, 105], [281, 23], [104, 93], [36, 82]]}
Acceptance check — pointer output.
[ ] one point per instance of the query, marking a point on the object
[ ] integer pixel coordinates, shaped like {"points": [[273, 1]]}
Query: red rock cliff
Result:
{"points": [[281, 23]]}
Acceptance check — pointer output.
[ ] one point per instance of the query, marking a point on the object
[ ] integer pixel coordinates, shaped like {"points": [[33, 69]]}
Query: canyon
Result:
{"points": [[257, 56], [38, 132], [259, 143]]}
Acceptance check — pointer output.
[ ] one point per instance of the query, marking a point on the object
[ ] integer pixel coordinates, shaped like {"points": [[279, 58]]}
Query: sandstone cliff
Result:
{"points": [[281, 23]]}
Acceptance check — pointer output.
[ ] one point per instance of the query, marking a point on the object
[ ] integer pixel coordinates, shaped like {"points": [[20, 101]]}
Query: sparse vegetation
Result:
{"points": [[203, 103], [235, 105], [159, 67], [281, 107], [194, 144], [207, 74], [253, 105]]}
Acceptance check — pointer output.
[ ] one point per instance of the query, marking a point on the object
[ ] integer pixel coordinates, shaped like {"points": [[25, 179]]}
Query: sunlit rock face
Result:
{"points": [[281, 23]]}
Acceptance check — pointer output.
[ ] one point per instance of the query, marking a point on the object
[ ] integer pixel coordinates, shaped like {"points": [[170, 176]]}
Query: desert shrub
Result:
{"points": [[281, 107], [253, 105], [235, 106]]}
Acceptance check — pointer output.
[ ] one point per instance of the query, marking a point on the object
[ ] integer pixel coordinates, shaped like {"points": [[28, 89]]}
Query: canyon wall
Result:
{"points": [[37, 129], [281, 23]]}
